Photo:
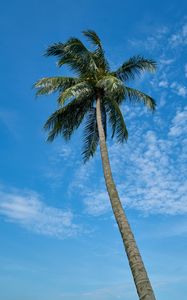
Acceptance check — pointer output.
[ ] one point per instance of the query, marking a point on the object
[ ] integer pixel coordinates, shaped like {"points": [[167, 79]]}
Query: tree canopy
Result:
{"points": [[93, 78]]}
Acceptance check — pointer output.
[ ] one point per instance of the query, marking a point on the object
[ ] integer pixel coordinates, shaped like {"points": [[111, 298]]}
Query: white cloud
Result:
{"points": [[179, 37], [184, 30], [64, 151], [182, 91], [165, 61], [60, 157], [96, 202], [163, 83], [179, 89], [29, 211], [152, 42], [179, 123], [169, 49]]}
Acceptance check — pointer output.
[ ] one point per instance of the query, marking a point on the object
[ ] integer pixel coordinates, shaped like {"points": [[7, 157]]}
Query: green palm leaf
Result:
{"points": [[116, 120], [92, 37], [67, 119], [134, 66], [74, 54], [98, 54], [137, 96], [57, 49], [52, 84], [81, 89], [91, 136]]}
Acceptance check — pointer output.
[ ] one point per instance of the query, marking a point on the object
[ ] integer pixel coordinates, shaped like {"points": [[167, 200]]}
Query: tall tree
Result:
{"points": [[95, 96]]}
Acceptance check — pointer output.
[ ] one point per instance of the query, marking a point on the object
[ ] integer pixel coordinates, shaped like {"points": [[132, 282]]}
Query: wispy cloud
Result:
{"points": [[179, 89], [179, 123], [96, 202], [170, 36], [61, 156], [151, 42], [179, 37], [168, 47], [28, 210]]}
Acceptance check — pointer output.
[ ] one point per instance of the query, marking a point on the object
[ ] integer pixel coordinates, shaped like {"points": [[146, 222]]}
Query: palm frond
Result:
{"points": [[134, 66], [116, 120], [92, 37], [100, 60], [98, 54], [91, 136], [77, 50], [74, 54], [52, 84], [57, 49], [67, 119], [81, 89], [137, 96]]}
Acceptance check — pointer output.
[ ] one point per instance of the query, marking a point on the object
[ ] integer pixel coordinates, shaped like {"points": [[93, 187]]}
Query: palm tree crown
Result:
{"points": [[77, 95]]}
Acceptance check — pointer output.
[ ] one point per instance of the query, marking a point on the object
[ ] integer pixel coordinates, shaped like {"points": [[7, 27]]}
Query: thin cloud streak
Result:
{"points": [[29, 211]]}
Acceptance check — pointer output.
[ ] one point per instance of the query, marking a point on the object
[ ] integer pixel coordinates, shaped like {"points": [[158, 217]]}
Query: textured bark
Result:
{"points": [[141, 280]]}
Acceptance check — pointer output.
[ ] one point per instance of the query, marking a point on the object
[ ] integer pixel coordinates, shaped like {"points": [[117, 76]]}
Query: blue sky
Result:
{"points": [[58, 236]]}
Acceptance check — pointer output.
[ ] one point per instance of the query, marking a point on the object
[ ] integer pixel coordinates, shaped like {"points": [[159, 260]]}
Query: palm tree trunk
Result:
{"points": [[141, 280]]}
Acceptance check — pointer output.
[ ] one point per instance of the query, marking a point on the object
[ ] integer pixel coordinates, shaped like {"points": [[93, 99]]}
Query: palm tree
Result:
{"points": [[95, 95]]}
